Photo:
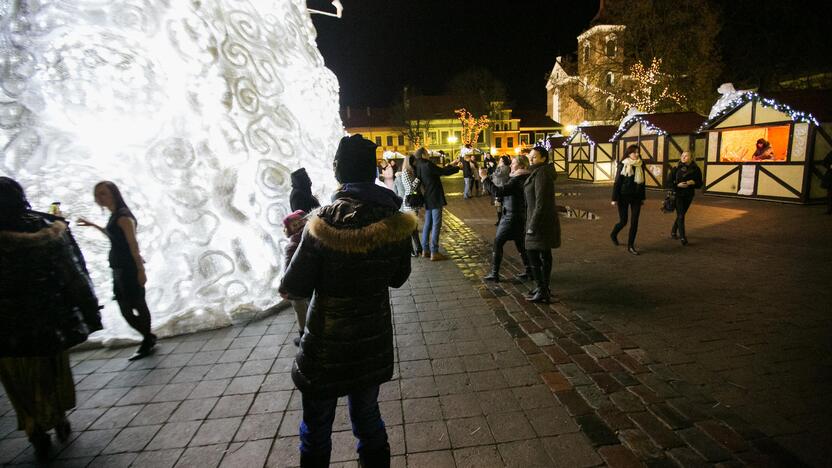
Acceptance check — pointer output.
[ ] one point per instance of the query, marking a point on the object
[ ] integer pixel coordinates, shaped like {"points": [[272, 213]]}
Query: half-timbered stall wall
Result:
{"points": [[557, 153], [589, 154], [769, 147], [662, 138]]}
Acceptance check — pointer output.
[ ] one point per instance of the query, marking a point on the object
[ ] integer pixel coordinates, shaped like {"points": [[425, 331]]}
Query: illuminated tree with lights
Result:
{"points": [[471, 126], [651, 89]]}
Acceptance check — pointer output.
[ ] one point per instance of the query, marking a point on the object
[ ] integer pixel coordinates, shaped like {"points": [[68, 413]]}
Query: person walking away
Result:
{"points": [[429, 174], [388, 174], [475, 176], [467, 176], [499, 177], [513, 222], [826, 182], [129, 276], [628, 194], [47, 305], [301, 197], [407, 184], [293, 225], [542, 222], [349, 256], [685, 179]]}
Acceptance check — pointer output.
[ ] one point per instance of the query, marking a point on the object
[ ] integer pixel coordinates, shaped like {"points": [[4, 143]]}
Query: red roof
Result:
{"points": [[599, 133], [676, 122], [817, 102]]}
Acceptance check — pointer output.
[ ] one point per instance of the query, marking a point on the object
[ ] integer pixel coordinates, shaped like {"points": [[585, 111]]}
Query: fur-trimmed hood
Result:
{"points": [[15, 240], [394, 228]]}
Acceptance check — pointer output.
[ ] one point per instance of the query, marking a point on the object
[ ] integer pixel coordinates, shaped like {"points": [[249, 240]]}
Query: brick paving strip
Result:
{"points": [[483, 379], [635, 410]]}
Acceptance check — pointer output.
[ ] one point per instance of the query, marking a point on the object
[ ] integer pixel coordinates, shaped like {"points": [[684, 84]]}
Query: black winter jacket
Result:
{"points": [[429, 173], [542, 221], [626, 188], [301, 197], [684, 173], [514, 201], [47, 302], [350, 253]]}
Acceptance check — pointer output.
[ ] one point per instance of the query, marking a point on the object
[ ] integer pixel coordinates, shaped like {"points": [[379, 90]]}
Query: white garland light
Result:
{"points": [[795, 115]]}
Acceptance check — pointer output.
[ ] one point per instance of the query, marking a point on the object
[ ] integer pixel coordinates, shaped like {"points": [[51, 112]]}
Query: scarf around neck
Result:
{"points": [[633, 168], [519, 172]]}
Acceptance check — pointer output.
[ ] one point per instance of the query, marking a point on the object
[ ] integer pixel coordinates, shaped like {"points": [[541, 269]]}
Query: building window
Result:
{"points": [[524, 138], [611, 46], [389, 141], [586, 52], [480, 137], [610, 78], [539, 136], [432, 137], [444, 138], [510, 142], [378, 141], [610, 104], [498, 142], [458, 136], [401, 140]]}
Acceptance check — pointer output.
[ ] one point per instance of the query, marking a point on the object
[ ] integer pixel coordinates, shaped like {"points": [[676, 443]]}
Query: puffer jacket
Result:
{"points": [[350, 253], [542, 222], [47, 302]]}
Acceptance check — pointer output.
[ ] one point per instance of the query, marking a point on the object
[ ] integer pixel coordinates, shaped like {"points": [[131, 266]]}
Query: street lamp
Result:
{"points": [[452, 140]]}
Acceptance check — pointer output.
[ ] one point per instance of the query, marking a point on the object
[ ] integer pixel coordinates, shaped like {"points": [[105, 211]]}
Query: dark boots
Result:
{"points": [[378, 458], [314, 460], [496, 260]]}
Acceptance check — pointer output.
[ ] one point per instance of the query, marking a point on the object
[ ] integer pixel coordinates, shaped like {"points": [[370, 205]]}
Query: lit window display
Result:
{"points": [[758, 144]]}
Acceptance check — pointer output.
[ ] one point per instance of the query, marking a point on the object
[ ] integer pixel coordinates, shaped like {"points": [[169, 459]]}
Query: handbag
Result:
{"points": [[669, 203], [415, 199]]}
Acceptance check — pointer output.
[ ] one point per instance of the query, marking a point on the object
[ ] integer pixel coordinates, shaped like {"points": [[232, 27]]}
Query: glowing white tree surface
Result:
{"points": [[198, 110]]}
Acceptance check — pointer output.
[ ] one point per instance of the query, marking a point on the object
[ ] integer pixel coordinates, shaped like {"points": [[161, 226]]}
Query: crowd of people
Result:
{"points": [[341, 259]]}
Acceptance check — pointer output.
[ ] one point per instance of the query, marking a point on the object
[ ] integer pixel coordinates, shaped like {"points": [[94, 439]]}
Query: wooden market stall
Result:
{"points": [[794, 129], [590, 155], [662, 139], [557, 153]]}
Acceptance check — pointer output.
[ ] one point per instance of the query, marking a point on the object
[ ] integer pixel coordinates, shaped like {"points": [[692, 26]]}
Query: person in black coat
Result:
{"points": [[467, 176], [628, 193], [47, 305], [513, 220], [685, 178], [429, 175], [542, 222], [350, 254], [301, 197]]}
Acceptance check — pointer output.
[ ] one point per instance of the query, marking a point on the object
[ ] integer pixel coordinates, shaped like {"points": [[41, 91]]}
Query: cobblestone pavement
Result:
{"points": [[483, 379], [741, 314]]}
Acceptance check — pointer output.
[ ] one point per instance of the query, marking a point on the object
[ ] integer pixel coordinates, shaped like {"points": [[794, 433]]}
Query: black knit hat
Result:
{"points": [[355, 160]]}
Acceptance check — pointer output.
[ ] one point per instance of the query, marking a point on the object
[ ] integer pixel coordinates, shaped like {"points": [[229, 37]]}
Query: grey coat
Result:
{"points": [[542, 223]]}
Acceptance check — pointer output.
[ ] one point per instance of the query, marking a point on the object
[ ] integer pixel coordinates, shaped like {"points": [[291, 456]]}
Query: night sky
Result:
{"points": [[378, 46]]}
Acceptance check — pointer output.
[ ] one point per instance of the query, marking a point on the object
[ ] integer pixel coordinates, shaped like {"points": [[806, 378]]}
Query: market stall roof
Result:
{"points": [[809, 105], [674, 123], [595, 134]]}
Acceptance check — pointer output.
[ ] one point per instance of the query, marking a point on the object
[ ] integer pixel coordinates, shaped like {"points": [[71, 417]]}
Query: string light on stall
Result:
{"points": [[795, 115]]}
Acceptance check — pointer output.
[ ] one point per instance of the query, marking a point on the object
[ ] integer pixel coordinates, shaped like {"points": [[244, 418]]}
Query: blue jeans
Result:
{"points": [[466, 192], [433, 223], [367, 426]]}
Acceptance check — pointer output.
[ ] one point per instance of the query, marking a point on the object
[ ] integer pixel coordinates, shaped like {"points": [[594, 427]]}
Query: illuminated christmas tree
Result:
{"points": [[471, 126]]}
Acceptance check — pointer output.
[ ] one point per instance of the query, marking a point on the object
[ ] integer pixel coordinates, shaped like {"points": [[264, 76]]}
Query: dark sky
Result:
{"points": [[378, 46], [381, 45]]}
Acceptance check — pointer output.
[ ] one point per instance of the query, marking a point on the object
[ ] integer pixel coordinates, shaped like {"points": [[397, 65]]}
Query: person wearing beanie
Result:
{"points": [[293, 225], [301, 197], [350, 253]]}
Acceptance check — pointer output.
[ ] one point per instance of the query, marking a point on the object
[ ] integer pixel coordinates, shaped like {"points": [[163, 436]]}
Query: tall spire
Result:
{"points": [[598, 16]]}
